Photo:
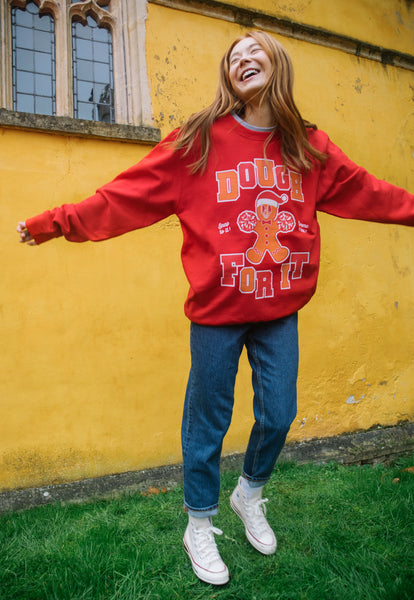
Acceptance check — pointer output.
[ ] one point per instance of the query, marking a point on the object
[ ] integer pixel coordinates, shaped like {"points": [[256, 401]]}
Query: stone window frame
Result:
{"points": [[127, 21]]}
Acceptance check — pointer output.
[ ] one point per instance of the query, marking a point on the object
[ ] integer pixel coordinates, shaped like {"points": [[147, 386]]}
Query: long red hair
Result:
{"points": [[297, 152]]}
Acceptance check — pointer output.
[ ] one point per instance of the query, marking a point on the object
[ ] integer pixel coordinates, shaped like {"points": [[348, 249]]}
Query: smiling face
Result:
{"points": [[267, 212], [250, 69]]}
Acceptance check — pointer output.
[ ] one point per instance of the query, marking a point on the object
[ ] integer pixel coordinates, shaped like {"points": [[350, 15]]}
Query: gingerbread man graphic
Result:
{"points": [[267, 222]]}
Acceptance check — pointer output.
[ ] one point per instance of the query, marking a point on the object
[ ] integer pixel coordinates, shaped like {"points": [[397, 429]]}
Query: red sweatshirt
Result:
{"points": [[251, 238]]}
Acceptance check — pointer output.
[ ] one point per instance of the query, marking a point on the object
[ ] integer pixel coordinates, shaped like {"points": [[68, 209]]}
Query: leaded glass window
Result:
{"points": [[93, 96], [33, 57], [36, 59]]}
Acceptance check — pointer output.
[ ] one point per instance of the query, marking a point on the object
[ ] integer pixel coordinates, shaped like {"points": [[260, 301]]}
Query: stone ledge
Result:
{"points": [[79, 127], [375, 445]]}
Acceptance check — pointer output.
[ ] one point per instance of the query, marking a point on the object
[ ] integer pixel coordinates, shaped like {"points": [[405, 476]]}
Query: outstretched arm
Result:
{"points": [[347, 190], [25, 237], [140, 196]]}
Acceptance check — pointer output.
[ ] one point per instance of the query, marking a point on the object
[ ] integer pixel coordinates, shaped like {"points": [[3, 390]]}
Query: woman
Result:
{"points": [[245, 176]]}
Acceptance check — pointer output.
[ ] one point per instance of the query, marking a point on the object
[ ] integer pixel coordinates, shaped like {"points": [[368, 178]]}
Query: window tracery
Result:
{"points": [[96, 8]]}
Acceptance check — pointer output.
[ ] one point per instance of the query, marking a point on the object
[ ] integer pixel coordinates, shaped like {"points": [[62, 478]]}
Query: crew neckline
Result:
{"points": [[250, 127]]}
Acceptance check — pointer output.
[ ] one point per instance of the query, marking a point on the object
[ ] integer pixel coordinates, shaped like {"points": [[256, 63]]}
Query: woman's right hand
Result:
{"points": [[25, 237]]}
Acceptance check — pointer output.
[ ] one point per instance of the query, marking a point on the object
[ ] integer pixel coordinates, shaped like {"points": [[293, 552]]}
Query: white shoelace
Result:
{"points": [[256, 512], [206, 544]]}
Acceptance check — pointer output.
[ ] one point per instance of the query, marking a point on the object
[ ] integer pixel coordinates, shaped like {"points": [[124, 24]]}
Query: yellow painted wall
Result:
{"points": [[95, 351], [385, 23]]}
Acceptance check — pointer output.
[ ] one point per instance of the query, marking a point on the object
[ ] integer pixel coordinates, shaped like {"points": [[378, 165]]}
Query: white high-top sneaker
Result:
{"points": [[200, 545], [250, 508]]}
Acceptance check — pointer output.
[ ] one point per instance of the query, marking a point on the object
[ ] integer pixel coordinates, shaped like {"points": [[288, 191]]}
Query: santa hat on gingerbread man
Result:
{"points": [[271, 198]]}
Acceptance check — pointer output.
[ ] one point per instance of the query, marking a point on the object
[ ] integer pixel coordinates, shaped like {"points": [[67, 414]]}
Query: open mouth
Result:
{"points": [[248, 74]]}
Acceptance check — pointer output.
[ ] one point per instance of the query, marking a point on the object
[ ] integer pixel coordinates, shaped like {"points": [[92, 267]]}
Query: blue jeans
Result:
{"points": [[272, 349]]}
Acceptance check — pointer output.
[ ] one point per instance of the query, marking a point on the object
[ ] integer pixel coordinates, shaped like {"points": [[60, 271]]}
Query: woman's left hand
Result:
{"points": [[25, 237]]}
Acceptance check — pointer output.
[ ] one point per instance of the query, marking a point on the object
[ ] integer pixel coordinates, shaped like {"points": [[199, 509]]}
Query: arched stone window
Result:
{"points": [[33, 60], [114, 73], [93, 81]]}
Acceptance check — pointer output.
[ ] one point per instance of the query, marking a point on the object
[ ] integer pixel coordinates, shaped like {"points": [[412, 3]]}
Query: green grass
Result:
{"points": [[344, 533]]}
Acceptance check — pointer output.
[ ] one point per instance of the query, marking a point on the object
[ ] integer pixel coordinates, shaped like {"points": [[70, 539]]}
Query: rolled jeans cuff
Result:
{"points": [[208, 512], [254, 483]]}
